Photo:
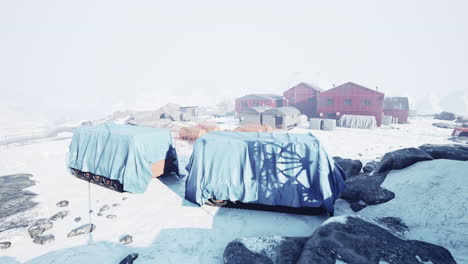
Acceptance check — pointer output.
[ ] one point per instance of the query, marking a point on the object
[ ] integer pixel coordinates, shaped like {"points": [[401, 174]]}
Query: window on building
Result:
{"points": [[292, 100], [330, 101], [244, 104], [348, 102], [367, 102], [256, 103]]}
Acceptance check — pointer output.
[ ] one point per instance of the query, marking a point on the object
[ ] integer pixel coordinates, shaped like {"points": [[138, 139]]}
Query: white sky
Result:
{"points": [[84, 59]]}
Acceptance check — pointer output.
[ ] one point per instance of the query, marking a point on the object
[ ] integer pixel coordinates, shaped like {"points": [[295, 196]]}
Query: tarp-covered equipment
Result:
{"points": [[122, 153], [276, 169]]}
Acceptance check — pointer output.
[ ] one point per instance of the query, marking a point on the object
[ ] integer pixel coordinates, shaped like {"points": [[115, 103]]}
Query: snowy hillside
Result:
{"points": [[167, 229]]}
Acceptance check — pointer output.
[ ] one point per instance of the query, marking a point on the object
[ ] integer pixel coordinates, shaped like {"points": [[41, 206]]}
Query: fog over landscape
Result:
{"points": [[79, 60]]}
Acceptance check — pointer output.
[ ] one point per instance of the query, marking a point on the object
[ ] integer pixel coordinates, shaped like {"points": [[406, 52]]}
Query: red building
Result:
{"points": [[351, 99], [303, 97], [252, 100], [397, 107]]}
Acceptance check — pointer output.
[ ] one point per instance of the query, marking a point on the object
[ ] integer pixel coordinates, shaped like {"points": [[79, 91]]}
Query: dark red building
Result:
{"points": [[303, 97], [351, 99], [397, 107], [252, 100]]}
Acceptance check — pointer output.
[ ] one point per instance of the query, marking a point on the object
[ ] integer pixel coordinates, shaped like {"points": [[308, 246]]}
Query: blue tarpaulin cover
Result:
{"points": [[121, 152], [265, 168]]}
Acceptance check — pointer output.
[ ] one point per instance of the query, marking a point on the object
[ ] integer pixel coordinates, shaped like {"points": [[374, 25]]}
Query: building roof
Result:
{"points": [[396, 103], [351, 84], [261, 97], [282, 111], [255, 110], [307, 85]]}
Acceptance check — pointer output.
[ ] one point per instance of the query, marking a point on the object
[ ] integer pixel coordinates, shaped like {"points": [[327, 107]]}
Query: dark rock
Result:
{"points": [[352, 239], [77, 219], [116, 205], [91, 211], [63, 203], [400, 159], [127, 239], [349, 166], [364, 189], [124, 198], [356, 207], [444, 125], [44, 239], [99, 214], [453, 152], [13, 199], [370, 166], [269, 250], [59, 215], [129, 259], [104, 208], [5, 245], [39, 227], [111, 216], [445, 116], [84, 229], [393, 223]]}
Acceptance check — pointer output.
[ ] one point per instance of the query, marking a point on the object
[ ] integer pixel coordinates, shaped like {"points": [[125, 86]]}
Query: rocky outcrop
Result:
{"points": [[400, 159], [349, 166], [63, 203], [39, 227], [349, 239], [127, 239], [364, 190], [14, 199], [268, 250], [85, 229], [445, 116], [370, 166], [59, 215], [5, 245], [453, 152], [42, 240], [352, 239], [129, 259]]}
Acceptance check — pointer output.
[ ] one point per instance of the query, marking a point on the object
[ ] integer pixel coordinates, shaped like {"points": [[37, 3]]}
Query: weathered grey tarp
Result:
{"points": [[357, 121]]}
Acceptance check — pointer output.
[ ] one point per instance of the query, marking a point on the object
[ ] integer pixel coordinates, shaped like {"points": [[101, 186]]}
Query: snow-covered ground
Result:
{"points": [[168, 229]]}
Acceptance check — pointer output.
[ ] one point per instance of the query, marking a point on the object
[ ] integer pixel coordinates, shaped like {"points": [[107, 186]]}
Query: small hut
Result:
{"points": [[252, 115], [282, 117]]}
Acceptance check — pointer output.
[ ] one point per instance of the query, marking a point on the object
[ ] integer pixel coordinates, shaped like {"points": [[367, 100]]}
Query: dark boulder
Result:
{"points": [[264, 250], [59, 215], [400, 159], [370, 166], [349, 166], [445, 116], [63, 203], [352, 239], [126, 239], [129, 259], [364, 189], [42, 240], [453, 152], [5, 245]]}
